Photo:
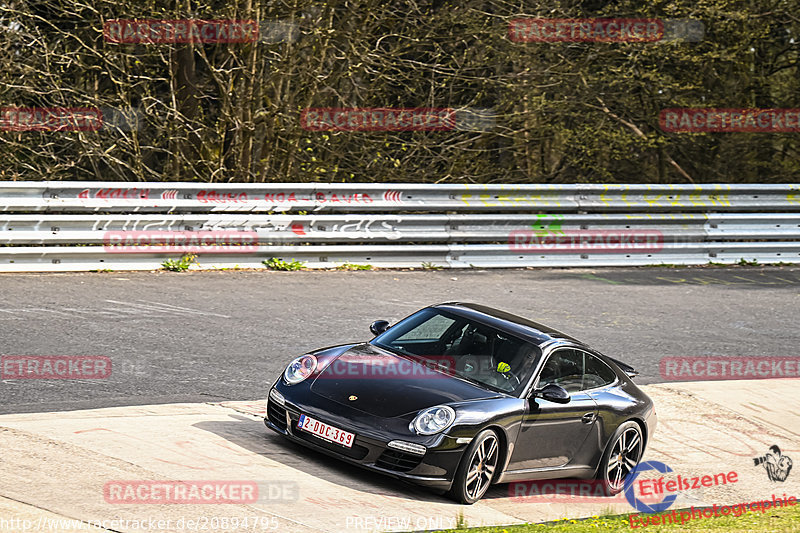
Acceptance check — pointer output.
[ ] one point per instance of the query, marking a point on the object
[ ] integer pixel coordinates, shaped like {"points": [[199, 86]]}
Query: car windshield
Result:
{"points": [[464, 348]]}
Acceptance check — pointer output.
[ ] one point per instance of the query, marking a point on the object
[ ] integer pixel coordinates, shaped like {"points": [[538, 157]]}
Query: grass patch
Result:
{"points": [[180, 265], [273, 263], [780, 519], [353, 266]]}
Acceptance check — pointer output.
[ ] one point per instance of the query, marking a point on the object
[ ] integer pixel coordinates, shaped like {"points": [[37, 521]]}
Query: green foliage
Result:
{"points": [[180, 265], [427, 265], [565, 112], [745, 262], [353, 266], [777, 519], [274, 263]]}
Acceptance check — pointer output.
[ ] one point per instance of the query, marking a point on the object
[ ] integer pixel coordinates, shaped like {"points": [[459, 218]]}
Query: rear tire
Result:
{"points": [[622, 455], [477, 468]]}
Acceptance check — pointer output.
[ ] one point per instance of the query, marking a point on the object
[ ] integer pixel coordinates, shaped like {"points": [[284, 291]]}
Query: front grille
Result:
{"points": [[276, 414], [398, 461], [354, 452]]}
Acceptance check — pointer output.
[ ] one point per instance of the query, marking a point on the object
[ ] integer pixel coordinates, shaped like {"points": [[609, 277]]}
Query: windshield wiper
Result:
{"points": [[395, 349]]}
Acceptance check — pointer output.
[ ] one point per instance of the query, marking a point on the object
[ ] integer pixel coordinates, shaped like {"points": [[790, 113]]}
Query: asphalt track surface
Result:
{"points": [[217, 336]]}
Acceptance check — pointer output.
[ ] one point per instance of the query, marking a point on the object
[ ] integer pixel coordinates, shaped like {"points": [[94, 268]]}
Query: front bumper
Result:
{"points": [[435, 469]]}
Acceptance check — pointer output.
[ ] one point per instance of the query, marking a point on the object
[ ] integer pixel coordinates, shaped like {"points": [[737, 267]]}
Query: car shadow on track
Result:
{"points": [[255, 437]]}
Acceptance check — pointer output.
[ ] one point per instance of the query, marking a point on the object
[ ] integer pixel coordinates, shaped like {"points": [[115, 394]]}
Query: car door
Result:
{"points": [[551, 434]]}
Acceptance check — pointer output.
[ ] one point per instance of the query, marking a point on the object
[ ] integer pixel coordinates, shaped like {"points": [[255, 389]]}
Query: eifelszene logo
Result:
{"points": [[668, 486], [630, 494]]}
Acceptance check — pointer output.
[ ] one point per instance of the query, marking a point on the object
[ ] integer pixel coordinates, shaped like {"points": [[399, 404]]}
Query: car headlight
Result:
{"points": [[300, 369], [433, 420]]}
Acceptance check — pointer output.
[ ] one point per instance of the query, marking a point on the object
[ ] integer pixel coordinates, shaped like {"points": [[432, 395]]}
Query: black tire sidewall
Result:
{"points": [[603, 468], [459, 490]]}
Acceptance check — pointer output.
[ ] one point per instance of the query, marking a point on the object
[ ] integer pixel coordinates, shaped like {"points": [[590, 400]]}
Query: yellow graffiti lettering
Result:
{"points": [[696, 199], [652, 199]]}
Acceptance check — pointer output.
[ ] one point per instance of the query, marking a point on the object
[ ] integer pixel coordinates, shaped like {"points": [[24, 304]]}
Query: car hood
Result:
{"points": [[383, 384]]}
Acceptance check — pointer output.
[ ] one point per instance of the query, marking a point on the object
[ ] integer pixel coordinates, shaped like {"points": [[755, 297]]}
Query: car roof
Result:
{"points": [[534, 332]]}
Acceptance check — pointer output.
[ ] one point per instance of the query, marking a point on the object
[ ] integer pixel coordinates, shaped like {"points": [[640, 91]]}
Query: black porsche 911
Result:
{"points": [[460, 396]]}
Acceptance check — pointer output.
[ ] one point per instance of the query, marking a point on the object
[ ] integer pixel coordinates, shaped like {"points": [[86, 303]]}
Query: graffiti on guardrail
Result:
{"points": [[214, 196], [119, 193], [548, 223]]}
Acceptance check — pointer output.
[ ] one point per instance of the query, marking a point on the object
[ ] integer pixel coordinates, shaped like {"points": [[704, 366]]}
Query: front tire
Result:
{"points": [[477, 468], [623, 453]]}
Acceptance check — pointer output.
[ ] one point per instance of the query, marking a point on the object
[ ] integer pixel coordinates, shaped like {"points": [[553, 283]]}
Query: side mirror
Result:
{"points": [[378, 327], [553, 393]]}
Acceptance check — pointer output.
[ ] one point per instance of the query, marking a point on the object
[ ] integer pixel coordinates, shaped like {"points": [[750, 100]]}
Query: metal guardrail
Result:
{"points": [[341, 197], [65, 226]]}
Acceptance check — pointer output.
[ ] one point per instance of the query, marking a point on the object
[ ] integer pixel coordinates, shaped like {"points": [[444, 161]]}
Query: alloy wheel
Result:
{"points": [[624, 457], [482, 465]]}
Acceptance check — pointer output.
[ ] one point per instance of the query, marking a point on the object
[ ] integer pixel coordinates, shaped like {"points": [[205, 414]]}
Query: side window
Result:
{"points": [[597, 373], [575, 371], [565, 368]]}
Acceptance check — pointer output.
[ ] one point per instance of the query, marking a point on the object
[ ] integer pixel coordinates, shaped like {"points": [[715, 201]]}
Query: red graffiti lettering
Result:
{"points": [[111, 194], [221, 197]]}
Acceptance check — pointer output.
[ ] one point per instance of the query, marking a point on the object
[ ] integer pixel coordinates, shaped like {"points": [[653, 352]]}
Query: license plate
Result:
{"points": [[325, 431]]}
